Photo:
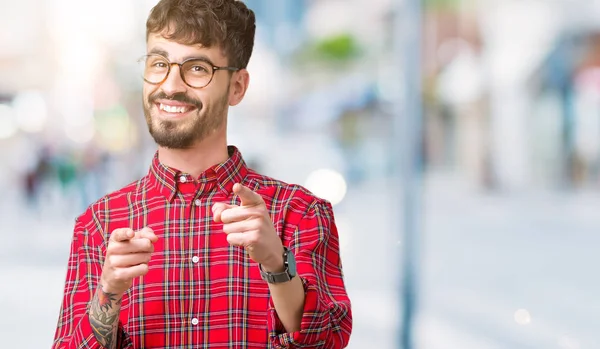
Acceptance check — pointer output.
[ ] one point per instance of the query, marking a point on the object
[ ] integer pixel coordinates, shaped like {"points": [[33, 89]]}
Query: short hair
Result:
{"points": [[228, 24]]}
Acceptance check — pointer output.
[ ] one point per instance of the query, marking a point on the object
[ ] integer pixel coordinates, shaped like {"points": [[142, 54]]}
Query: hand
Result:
{"points": [[250, 226], [127, 257]]}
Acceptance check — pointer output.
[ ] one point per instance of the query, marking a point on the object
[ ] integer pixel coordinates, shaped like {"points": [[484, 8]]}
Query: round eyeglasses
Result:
{"points": [[195, 72]]}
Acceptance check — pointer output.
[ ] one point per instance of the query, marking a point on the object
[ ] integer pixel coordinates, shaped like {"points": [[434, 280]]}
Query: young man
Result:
{"points": [[203, 252]]}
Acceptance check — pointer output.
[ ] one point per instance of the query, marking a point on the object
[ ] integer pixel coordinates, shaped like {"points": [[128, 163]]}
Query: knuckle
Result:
{"points": [[112, 248], [253, 239], [113, 235], [229, 239], [255, 224], [112, 260], [225, 216], [144, 269], [119, 275], [257, 213]]}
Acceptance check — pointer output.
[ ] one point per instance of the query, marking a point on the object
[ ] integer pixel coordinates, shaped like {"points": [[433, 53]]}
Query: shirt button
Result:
{"points": [[182, 179], [195, 321], [195, 259], [198, 202]]}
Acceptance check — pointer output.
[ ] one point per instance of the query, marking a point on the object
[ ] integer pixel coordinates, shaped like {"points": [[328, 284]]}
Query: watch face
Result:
{"points": [[291, 262]]}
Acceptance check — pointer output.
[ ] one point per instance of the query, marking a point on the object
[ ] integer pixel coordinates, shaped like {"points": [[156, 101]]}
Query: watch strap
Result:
{"points": [[277, 278]]}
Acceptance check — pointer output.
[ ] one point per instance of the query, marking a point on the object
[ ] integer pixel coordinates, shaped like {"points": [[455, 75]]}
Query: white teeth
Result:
{"points": [[173, 109]]}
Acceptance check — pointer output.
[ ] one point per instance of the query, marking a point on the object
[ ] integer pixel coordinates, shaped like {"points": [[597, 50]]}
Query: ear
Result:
{"points": [[238, 86]]}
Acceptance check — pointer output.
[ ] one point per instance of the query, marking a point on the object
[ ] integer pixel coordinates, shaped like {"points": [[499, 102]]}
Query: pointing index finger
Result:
{"points": [[248, 197]]}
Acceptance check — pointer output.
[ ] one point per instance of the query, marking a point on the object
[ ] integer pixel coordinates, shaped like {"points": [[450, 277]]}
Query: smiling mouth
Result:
{"points": [[175, 109]]}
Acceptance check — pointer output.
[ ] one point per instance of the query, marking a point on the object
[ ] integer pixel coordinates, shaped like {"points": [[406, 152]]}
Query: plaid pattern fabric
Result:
{"points": [[201, 292]]}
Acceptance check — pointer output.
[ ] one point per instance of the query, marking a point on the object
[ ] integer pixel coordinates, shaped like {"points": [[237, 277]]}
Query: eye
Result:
{"points": [[199, 69], [157, 63]]}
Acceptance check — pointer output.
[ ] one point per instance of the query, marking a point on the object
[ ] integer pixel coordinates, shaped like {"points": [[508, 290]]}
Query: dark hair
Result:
{"points": [[228, 24]]}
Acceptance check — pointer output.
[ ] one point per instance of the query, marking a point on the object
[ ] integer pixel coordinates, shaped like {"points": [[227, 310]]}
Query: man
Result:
{"points": [[203, 252]]}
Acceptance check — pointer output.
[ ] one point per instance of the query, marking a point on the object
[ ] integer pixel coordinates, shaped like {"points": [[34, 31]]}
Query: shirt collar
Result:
{"points": [[226, 174]]}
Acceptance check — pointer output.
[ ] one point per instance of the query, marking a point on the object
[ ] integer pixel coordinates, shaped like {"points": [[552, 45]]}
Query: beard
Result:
{"points": [[194, 128]]}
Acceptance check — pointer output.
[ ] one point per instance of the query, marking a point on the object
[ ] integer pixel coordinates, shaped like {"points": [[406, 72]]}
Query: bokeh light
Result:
{"points": [[8, 124], [327, 184], [80, 133], [522, 317], [31, 111]]}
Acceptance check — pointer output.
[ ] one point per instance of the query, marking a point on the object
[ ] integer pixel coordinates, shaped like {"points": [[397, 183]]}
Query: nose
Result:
{"points": [[174, 84]]}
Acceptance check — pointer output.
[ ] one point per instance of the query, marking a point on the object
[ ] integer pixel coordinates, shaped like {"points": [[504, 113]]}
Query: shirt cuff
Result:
{"points": [[83, 336], [314, 326]]}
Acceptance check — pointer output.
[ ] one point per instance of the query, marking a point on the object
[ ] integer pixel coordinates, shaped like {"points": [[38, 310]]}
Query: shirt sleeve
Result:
{"points": [[327, 317], [83, 273]]}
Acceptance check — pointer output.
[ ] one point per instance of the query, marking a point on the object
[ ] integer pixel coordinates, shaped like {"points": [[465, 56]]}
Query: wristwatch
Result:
{"points": [[289, 262]]}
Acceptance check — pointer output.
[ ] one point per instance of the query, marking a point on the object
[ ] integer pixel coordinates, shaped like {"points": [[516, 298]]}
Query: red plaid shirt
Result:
{"points": [[201, 292]]}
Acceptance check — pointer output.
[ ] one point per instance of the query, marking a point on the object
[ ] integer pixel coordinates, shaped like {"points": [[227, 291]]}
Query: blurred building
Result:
{"points": [[499, 77]]}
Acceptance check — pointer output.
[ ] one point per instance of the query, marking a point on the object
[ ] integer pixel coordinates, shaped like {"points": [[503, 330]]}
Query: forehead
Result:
{"points": [[176, 52]]}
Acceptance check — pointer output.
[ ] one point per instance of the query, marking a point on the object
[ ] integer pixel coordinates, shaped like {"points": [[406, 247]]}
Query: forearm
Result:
{"points": [[288, 299], [325, 322], [104, 317], [326, 314]]}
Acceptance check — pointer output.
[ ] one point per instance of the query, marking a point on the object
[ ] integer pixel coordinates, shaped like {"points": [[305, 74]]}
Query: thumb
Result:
{"points": [[147, 233], [121, 235], [248, 197]]}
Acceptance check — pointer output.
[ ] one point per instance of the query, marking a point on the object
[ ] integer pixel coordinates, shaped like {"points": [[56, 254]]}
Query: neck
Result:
{"points": [[197, 158]]}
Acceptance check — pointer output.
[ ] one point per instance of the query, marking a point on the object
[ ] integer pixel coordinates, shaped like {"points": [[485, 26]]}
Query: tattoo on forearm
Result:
{"points": [[104, 317]]}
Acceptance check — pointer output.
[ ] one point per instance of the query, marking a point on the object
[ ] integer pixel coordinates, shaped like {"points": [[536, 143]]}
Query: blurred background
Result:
{"points": [[507, 198]]}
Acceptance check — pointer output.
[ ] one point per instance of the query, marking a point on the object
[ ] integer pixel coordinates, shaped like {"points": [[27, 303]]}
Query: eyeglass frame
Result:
{"points": [[181, 75]]}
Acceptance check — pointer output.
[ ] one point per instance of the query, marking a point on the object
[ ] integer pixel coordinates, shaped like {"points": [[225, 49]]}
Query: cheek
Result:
{"points": [[205, 99], [147, 91]]}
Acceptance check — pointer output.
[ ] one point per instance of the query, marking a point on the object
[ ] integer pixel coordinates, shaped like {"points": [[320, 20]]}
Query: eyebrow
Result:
{"points": [[159, 51], [165, 54]]}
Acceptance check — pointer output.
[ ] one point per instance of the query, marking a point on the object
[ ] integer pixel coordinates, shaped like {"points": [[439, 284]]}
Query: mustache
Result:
{"points": [[179, 97]]}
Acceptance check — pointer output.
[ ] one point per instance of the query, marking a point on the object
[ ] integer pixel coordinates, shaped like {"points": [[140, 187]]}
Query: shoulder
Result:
{"points": [[286, 197]]}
